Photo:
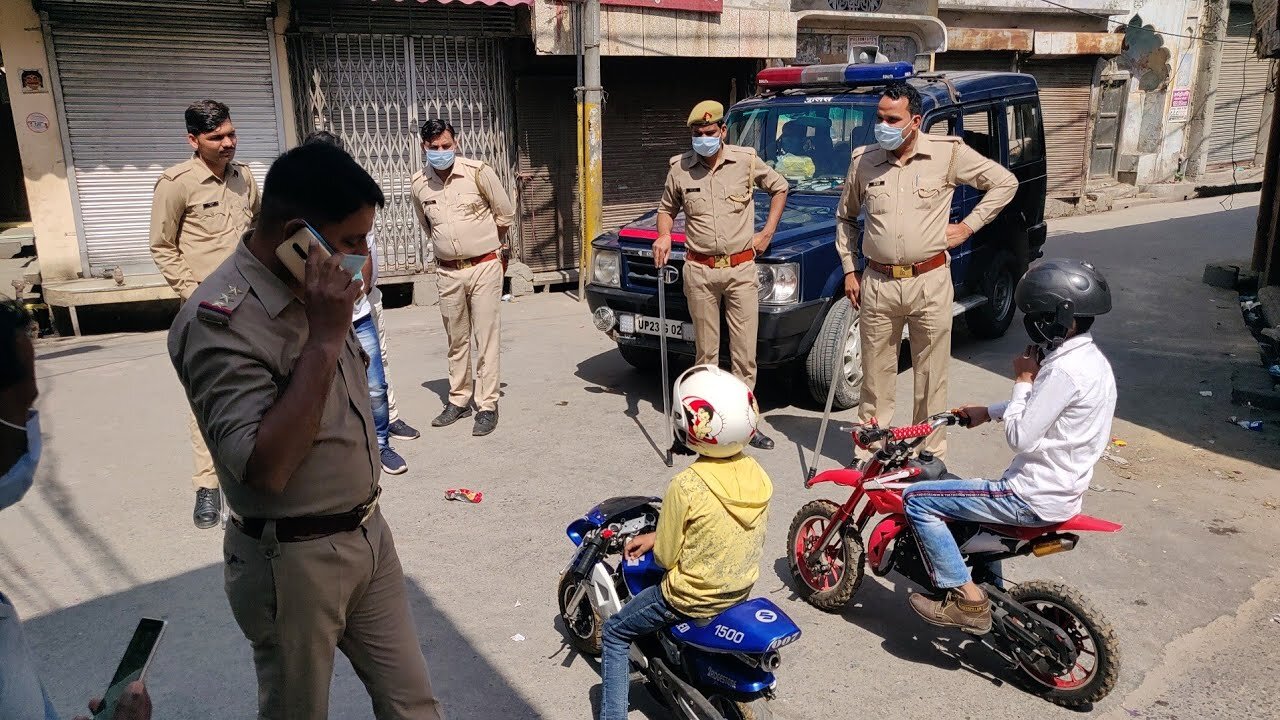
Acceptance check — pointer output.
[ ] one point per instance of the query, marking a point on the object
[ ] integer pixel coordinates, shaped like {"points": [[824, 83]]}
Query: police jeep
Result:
{"points": [[805, 122]]}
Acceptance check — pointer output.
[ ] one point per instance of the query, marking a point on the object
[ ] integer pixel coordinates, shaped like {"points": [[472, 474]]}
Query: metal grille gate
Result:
{"points": [[375, 90]]}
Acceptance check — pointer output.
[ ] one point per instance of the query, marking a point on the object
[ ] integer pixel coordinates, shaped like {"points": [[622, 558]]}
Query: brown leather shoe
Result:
{"points": [[954, 611]]}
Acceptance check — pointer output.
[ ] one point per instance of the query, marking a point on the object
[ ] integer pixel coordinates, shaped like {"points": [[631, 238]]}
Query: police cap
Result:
{"points": [[705, 113]]}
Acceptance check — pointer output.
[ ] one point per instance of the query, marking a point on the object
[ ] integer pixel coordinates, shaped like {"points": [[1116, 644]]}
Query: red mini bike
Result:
{"points": [[1046, 630]]}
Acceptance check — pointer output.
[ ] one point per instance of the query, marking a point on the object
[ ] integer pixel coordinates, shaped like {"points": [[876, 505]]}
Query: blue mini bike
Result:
{"points": [[716, 669]]}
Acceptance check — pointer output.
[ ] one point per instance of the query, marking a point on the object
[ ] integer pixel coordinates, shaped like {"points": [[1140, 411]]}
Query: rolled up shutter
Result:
{"points": [[1241, 94], [1065, 85]]}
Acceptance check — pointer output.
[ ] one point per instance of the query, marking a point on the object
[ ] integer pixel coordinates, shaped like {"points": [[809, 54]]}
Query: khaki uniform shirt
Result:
{"points": [[462, 213], [718, 204], [234, 347], [196, 220], [908, 201]]}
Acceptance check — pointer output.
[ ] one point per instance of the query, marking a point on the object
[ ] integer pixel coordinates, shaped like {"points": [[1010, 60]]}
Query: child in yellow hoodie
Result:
{"points": [[710, 533]]}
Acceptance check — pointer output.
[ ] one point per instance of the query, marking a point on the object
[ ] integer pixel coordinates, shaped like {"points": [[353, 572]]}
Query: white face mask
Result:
{"points": [[17, 480]]}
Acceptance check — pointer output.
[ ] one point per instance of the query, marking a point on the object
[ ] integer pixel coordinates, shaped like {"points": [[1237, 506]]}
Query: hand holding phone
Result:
{"points": [[295, 251], [126, 697]]}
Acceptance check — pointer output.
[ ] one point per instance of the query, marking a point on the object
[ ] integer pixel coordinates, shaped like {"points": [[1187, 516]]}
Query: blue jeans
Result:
{"points": [[646, 614], [367, 333], [929, 505]]}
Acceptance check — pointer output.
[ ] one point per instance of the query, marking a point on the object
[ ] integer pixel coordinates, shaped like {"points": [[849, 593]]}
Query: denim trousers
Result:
{"points": [[929, 505], [646, 614], [367, 333]]}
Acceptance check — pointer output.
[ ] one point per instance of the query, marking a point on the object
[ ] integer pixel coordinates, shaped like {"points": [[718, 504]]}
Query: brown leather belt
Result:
{"points": [[312, 527], [898, 272], [467, 262], [721, 261]]}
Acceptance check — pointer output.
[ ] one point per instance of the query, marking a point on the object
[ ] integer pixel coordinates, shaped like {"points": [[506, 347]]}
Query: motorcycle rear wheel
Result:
{"points": [[1098, 665], [845, 558], [587, 627], [757, 709]]}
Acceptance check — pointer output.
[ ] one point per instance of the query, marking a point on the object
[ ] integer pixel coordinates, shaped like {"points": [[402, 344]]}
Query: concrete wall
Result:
{"points": [[1100, 7], [1152, 145], [744, 29], [44, 165]]}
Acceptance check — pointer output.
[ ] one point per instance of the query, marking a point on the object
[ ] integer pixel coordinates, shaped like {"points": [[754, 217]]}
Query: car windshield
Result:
{"points": [[808, 144]]}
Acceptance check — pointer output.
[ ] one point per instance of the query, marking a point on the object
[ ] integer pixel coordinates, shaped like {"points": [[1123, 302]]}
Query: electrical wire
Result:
{"points": [[1104, 18]]}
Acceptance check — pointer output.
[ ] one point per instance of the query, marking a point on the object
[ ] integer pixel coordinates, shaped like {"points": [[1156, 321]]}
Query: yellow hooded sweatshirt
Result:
{"points": [[711, 534]]}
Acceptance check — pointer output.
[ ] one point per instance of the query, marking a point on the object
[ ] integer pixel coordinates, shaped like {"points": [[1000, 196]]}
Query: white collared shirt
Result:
{"points": [[1059, 426]]}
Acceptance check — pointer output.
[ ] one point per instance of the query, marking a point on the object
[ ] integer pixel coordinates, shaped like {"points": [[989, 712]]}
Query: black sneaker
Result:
{"points": [[452, 414], [760, 441], [392, 463], [402, 430], [486, 422], [208, 509]]}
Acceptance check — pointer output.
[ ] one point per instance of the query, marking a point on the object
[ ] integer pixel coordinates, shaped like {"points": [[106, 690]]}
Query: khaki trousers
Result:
{"points": [[923, 303], [470, 303], [704, 287], [297, 602], [392, 413], [205, 477]]}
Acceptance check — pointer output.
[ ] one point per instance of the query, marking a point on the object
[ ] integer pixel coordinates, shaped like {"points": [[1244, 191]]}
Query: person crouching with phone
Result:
{"points": [[22, 696], [276, 379]]}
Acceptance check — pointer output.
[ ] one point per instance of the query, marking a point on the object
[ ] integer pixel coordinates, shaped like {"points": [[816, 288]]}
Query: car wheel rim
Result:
{"points": [[852, 358], [1002, 293]]}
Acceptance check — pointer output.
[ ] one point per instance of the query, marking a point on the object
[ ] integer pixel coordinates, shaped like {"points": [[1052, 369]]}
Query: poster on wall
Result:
{"points": [[1180, 108], [32, 81]]}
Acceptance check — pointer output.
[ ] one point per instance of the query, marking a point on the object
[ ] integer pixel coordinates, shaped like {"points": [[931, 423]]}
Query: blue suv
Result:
{"points": [[805, 123]]}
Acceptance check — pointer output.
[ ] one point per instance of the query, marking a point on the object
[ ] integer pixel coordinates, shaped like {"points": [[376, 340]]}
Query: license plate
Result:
{"points": [[674, 328]]}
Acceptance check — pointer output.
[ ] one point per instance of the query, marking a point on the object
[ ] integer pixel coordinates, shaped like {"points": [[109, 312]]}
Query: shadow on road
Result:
{"points": [[204, 668]]}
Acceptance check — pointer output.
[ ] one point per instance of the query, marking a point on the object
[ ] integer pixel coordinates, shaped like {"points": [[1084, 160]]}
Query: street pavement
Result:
{"points": [[1190, 585]]}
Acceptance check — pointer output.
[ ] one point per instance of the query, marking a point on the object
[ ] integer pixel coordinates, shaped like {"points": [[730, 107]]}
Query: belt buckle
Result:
{"points": [[723, 261], [373, 505], [901, 272], [465, 264]]}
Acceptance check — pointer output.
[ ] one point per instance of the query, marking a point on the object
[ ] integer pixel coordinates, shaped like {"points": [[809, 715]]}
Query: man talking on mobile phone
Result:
{"points": [[277, 382]]}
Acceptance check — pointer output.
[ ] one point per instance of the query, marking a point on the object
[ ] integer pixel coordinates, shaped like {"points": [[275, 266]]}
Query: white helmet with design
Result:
{"points": [[716, 413]]}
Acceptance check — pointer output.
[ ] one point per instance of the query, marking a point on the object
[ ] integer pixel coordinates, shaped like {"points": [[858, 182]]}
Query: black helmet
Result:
{"points": [[1057, 291]]}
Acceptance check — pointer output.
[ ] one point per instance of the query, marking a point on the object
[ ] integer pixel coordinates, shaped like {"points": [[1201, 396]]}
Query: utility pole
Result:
{"points": [[590, 174]]}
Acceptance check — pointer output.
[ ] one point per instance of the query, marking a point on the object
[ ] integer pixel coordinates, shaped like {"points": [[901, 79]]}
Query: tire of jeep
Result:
{"points": [[640, 358], [837, 344], [991, 319]]}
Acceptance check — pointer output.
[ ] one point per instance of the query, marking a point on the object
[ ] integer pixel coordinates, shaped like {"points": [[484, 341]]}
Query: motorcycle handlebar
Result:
{"points": [[866, 436]]}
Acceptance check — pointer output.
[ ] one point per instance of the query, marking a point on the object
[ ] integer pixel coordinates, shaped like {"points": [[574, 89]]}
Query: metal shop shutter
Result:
{"points": [[126, 75], [1241, 94], [375, 90], [548, 159], [1064, 99]]}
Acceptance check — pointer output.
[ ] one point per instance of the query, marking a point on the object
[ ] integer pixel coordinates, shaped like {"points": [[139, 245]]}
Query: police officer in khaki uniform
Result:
{"points": [[905, 184], [277, 382], [712, 185], [466, 212], [200, 209]]}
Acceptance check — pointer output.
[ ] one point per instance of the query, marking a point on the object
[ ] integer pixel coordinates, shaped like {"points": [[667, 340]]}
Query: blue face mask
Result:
{"points": [[706, 146], [17, 480], [440, 159], [353, 264], [889, 137]]}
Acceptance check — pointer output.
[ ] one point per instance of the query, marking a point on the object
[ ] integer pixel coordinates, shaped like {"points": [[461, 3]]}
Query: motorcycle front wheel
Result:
{"points": [[1098, 665], [757, 709], [830, 585], [586, 627]]}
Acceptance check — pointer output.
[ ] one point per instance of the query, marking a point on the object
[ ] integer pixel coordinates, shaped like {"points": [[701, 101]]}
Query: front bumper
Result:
{"points": [[786, 331]]}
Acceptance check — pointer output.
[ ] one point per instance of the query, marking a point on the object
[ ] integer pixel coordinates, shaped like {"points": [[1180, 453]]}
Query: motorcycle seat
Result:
{"points": [[1083, 523], [753, 627]]}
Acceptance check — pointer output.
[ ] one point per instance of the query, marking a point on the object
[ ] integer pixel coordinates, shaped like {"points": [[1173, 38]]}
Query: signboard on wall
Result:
{"points": [[896, 7], [704, 6]]}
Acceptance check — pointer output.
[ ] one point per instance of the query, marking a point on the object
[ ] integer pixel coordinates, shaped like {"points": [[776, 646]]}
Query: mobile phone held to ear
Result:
{"points": [[133, 666], [293, 253]]}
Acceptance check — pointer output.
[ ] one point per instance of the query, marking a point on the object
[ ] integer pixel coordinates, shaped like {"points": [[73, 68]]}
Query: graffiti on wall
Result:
{"points": [[1145, 56]]}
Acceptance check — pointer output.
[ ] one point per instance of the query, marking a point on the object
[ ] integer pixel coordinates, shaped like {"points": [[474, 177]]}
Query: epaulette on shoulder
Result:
{"points": [[218, 311]]}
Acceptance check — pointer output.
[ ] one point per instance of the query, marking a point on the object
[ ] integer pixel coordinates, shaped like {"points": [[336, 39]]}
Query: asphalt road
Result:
{"points": [[1190, 585]]}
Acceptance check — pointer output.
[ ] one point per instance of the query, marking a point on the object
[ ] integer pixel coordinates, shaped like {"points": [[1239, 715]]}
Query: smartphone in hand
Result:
{"points": [[293, 253], [133, 666]]}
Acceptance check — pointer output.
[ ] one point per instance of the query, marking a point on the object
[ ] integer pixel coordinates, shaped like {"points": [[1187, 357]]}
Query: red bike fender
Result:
{"points": [[884, 533], [843, 476]]}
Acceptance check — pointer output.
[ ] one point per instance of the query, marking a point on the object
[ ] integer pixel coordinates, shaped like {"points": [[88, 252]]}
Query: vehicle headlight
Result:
{"points": [[606, 268], [779, 282]]}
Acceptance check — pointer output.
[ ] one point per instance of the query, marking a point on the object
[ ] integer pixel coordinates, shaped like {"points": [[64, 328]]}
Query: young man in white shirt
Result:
{"points": [[1058, 421]]}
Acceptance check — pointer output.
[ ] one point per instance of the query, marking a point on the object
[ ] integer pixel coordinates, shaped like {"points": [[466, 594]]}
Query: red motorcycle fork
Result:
{"points": [[836, 526]]}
